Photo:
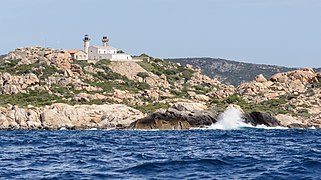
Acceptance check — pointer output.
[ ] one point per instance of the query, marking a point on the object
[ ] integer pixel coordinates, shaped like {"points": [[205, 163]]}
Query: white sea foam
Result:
{"points": [[230, 119], [261, 126]]}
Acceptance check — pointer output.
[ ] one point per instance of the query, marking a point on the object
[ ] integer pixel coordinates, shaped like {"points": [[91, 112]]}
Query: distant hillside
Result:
{"points": [[2, 56], [232, 72]]}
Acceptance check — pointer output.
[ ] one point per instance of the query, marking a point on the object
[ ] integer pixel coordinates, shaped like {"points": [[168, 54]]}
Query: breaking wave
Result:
{"points": [[232, 119]]}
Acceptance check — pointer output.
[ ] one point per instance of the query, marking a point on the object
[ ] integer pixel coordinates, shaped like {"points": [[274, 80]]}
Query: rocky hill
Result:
{"points": [[232, 72], [44, 88], [35, 79]]}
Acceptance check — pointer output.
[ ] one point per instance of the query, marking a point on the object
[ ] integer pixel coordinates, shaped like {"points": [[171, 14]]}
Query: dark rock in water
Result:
{"points": [[201, 118], [174, 119], [261, 118]]}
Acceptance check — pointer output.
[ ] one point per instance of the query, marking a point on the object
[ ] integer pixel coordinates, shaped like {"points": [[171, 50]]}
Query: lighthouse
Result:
{"points": [[105, 41], [102, 52], [86, 43]]}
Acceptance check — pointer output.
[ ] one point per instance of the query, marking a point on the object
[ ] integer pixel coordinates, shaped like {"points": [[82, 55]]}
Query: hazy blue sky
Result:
{"points": [[282, 32]]}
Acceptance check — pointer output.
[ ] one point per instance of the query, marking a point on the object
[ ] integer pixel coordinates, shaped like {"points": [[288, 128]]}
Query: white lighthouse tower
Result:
{"points": [[86, 44], [105, 41]]}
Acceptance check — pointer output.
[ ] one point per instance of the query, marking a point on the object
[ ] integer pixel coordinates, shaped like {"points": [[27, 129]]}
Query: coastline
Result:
{"points": [[180, 116], [49, 89]]}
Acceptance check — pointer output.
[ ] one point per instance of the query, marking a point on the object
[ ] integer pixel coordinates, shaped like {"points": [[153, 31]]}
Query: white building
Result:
{"points": [[104, 52]]}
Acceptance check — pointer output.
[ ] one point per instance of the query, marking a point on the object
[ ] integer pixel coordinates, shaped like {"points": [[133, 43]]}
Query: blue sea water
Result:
{"points": [[128, 154]]}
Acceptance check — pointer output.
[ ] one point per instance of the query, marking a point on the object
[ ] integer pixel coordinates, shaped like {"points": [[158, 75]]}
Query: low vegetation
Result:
{"points": [[274, 106], [172, 71], [36, 98]]}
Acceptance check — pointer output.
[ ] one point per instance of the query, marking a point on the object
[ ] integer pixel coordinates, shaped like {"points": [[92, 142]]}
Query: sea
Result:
{"points": [[249, 153], [220, 151]]}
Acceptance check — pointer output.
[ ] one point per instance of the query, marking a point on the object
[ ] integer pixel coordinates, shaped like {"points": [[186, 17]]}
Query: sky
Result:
{"points": [[278, 32]]}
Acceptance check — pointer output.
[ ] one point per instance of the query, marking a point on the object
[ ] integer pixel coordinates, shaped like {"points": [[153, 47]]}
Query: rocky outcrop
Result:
{"points": [[88, 116], [14, 84], [199, 78], [88, 97], [292, 82], [179, 116], [305, 76], [127, 68], [260, 78], [132, 69], [30, 55], [261, 118], [282, 120], [154, 94], [222, 92], [290, 121], [188, 106], [14, 117], [56, 116]]}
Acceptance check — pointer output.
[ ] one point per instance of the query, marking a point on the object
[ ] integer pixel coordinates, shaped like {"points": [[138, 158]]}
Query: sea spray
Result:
{"points": [[230, 119]]}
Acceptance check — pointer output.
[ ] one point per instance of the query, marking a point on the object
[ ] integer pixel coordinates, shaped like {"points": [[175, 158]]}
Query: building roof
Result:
{"points": [[73, 51], [105, 47]]}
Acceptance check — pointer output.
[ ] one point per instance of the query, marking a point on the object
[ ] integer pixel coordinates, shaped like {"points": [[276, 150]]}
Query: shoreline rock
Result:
{"points": [[180, 116], [57, 116]]}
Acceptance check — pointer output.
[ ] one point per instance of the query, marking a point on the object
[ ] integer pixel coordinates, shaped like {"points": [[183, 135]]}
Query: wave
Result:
{"points": [[232, 119], [266, 127]]}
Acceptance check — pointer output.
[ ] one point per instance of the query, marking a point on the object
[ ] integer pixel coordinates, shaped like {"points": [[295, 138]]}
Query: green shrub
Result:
{"points": [[101, 63], [49, 70], [35, 98], [9, 66], [201, 89], [143, 75], [234, 99], [81, 63], [25, 69]]}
